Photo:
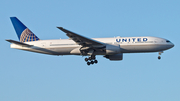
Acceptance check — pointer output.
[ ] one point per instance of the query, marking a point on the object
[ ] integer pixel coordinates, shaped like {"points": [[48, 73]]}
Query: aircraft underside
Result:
{"points": [[91, 53]]}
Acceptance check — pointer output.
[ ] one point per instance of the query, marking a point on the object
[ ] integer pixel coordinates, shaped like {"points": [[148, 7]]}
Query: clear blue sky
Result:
{"points": [[27, 76]]}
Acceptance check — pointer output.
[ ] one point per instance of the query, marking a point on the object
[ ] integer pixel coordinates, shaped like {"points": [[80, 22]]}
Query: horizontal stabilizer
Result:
{"points": [[18, 43]]}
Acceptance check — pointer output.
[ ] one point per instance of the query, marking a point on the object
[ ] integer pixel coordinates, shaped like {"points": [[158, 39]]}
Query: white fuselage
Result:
{"points": [[69, 47]]}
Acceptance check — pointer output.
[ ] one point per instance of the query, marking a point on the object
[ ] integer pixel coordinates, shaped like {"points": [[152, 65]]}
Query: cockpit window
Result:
{"points": [[167, 41]]}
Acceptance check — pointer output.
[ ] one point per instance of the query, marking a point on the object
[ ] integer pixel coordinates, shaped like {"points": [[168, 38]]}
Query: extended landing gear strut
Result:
{"points": [[159, 57], [91, 60]]}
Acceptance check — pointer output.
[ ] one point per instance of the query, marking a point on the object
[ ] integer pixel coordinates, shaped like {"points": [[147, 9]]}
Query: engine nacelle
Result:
{"points": [[112, 49], [114, 57]]}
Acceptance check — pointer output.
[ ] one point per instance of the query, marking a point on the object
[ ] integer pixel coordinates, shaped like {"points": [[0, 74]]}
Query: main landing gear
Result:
{"points": [[91, 60], [159, 57]]}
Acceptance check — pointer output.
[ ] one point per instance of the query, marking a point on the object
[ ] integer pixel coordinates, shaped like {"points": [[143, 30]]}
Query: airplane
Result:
{"points": [[111, 48]]}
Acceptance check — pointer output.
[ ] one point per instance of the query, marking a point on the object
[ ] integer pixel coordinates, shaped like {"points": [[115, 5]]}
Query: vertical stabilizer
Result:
{"points": [[23, 33]]}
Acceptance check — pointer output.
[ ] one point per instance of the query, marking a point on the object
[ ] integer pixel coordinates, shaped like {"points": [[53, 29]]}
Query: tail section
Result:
{"points": [[23, 33]]}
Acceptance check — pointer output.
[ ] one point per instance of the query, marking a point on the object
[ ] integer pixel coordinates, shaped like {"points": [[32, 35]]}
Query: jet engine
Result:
{"points": [[114, 57], [112, 49]]}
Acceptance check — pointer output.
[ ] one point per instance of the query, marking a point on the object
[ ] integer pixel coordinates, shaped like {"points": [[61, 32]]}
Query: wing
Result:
{"points": [[81, 40]]}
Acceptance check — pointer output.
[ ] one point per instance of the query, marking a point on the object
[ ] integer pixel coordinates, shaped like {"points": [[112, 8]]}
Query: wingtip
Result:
{"points": [[60, 27]]}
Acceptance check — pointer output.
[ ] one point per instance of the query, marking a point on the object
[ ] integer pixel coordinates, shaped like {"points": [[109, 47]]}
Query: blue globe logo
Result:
{"points": [[28, 36]]}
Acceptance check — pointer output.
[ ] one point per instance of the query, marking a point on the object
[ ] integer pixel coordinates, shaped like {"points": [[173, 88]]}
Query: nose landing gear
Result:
{"points": [[91, 60], [159, 57]]}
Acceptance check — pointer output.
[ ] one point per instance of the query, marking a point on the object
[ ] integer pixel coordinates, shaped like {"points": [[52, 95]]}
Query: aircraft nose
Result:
{"points": [[171, 45]]}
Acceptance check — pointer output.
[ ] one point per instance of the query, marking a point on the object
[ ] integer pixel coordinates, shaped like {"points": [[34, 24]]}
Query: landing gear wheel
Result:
{"points": [[159, 57], [88, 63], [86, 59], [95, 61], [92, 62]]}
